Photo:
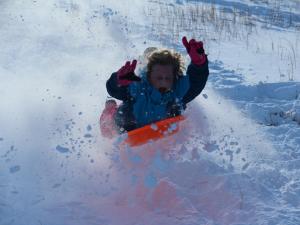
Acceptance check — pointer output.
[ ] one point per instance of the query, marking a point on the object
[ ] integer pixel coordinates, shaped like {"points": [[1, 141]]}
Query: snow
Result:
{"points": [[236, 158]]}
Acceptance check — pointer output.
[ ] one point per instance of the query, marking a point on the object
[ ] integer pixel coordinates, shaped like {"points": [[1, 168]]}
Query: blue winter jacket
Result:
{"points": [[144, 104]]}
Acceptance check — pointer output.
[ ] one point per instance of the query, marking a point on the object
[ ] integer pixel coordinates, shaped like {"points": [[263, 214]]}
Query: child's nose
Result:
{"points": [[165, 82]]}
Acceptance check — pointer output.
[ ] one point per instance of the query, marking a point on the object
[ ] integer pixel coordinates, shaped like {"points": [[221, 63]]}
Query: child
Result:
{"points": [[159, 93]]}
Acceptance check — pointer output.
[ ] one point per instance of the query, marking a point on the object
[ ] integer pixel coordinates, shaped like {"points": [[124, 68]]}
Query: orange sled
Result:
{"points": [[153, 131]]}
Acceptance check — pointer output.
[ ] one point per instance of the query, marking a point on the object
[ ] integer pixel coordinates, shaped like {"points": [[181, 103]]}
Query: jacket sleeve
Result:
{"points": [[197, 77], [121, 93]]}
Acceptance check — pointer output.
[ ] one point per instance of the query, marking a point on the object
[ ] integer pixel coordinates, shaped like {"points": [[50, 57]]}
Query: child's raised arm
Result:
{"points": [[198, 70], [117, 84]]}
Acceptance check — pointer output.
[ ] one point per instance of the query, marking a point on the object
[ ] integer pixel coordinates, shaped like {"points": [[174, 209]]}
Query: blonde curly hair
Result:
{"points": [[166, 57]]}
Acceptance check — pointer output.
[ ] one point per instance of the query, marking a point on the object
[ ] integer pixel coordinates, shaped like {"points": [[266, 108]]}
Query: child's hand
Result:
{"points": [[195, 51], [126, 74]]}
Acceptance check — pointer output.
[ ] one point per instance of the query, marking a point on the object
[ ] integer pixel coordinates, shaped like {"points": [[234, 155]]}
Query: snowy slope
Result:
{"points": [[236, 162]]}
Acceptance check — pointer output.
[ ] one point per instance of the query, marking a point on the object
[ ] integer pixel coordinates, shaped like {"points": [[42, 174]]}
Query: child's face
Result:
{"points": [[162, 77]]}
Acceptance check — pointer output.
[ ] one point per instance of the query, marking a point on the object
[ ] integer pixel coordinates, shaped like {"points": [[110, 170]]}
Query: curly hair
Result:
{"points": [[166, 57]]}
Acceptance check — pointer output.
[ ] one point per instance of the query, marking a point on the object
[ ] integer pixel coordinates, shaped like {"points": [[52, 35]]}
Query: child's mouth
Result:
{"points": [[163, 90]]}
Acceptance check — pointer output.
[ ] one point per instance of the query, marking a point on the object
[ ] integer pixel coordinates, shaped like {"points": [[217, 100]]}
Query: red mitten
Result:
{"points": [[195, 50], [126, 74]]}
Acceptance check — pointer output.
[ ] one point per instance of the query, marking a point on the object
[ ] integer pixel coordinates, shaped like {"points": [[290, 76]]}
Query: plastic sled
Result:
{"points": [[153, 131]]}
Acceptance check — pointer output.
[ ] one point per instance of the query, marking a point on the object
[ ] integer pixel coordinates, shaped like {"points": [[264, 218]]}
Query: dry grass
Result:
{"points": [[211, 23]]}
